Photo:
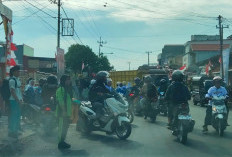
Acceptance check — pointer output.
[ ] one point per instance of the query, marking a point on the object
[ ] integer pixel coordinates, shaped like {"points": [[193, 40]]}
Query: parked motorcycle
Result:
{"points": [[113, 121], [185, 123], [219, 114], [162, 104]]}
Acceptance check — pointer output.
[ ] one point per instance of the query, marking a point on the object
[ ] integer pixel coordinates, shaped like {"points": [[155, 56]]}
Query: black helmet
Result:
{"points": [[52, 79], [148, 79], [137, 80], [42, 81], [163, 81], [102, 76], [177, 75]]}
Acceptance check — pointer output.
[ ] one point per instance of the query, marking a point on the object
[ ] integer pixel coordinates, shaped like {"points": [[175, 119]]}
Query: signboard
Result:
{"points": [[33, 64], [226, 56], [5, 11], [60, 61]]}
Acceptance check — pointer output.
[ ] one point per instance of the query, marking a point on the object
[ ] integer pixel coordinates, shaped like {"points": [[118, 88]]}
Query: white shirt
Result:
{"points": [[17, 89], [213, 91]]}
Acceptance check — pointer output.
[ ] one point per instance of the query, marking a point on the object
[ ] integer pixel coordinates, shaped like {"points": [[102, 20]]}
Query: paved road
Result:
{"points": [[147, 139]]}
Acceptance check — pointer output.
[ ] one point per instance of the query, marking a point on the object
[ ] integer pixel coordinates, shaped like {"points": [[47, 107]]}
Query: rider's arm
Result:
{"points": [[210, 93]]}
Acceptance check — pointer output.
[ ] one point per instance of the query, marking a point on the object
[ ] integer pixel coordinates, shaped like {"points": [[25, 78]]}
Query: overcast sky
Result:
{"points": [[130, 27]]}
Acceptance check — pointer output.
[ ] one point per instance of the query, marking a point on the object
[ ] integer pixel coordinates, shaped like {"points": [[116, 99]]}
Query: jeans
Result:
{"points": [[14, 117]]}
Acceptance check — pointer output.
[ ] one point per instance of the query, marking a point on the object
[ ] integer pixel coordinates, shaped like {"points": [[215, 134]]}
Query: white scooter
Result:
{"points": [[113, 121], [219, 114]]}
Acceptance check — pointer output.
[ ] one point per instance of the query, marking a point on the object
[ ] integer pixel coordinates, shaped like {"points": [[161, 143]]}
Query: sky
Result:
{"points": [[130, 28]]}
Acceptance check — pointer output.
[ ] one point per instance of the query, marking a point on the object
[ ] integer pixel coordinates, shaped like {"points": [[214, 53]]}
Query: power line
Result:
{"points": [[40, 9]]}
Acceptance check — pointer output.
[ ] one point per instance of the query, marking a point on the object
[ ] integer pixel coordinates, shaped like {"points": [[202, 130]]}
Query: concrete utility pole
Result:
{"points": [[100, 45], [58, 30], [221, 27], [148, 59], [129, 65]]}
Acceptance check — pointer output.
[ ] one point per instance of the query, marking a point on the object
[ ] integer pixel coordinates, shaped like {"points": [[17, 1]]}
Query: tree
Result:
{"points": [[78, 54]]}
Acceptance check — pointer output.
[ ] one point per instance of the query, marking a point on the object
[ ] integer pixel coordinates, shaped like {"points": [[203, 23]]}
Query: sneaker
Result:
{"points": [[66, 145], [63, 145]]}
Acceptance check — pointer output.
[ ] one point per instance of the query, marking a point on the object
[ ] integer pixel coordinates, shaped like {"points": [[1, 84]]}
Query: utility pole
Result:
{"points": [[148, 59], [58, 30], [221, 27], [100, 45], [129, 65]]}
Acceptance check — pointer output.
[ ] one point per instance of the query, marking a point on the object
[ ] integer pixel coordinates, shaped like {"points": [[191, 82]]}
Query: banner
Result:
{"points": [[226, 56], [60, 62]]}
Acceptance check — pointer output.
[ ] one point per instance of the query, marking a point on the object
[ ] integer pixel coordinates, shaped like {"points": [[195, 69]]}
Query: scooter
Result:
{"points": [[185, 123], [162, 104], [113, 121], [219, 114]]}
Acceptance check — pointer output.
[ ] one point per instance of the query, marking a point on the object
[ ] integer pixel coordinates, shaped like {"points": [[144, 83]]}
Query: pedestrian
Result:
{"points": [[16, 102], [64, 109]]}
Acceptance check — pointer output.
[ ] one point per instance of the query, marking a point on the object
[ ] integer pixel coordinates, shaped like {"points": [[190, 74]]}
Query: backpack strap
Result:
{"points": [[12, 78]]}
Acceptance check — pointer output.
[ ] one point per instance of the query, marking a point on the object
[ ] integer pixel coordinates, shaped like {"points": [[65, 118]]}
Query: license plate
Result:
{"points": [[186, 117]]}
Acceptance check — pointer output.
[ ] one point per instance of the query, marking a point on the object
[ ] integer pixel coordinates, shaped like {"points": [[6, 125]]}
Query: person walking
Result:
{"points": [[64, 109]]}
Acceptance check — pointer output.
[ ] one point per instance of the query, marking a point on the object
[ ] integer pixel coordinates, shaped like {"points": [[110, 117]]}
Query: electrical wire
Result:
{"points": [[40, 9]]}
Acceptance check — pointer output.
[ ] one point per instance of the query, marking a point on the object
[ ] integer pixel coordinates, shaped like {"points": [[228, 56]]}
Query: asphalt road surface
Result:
{"points": [[147, 139]]}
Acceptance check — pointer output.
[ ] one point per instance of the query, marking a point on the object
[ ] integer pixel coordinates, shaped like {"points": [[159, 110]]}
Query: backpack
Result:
{"points": [[5, 89]]}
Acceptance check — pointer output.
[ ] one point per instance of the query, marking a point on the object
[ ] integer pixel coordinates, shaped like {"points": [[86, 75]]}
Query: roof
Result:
{"points": [[208, 47], [172, 50]]}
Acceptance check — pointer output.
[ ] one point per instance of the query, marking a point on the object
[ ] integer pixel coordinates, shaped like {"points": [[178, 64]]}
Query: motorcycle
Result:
{"points": [[185, 123], [151, 109], [43, 115], [114, 119], [162, 104], [126, 106], [219, 114]]}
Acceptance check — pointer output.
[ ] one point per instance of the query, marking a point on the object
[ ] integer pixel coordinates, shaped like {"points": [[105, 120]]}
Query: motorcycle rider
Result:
{"points": [[149, 93], [98, 92], [136, 89], [216, 90], [176, 94], [163, 86]]}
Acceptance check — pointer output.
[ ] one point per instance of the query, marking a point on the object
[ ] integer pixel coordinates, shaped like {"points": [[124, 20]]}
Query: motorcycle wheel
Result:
{"points": [[220, 127], [82, 126], [182, 134], [123, 131], [130, 116]]}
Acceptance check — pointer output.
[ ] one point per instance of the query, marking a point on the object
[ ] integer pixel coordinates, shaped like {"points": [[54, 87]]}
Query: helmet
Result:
{"points": [[148, 79], [52, 79], [217, 79], [137, 80], [102, 76], [177, 75], [163, 81], [109, 80]]}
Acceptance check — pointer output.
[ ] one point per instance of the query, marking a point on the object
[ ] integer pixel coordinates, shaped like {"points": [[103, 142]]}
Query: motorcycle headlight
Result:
{"points": [[214, 109]]}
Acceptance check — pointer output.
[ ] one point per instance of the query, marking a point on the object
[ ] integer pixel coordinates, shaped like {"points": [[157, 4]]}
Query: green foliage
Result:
{"points": [[79, 53]]}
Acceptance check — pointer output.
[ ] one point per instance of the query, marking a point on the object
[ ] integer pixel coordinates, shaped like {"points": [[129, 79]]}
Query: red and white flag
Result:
{"points": [[208, 67], [183, 68], [220, 60]]}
